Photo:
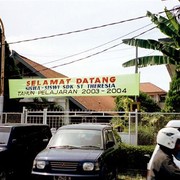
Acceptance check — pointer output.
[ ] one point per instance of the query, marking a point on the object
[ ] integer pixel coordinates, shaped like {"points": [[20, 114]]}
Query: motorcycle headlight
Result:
{"points": [[88, 166]]}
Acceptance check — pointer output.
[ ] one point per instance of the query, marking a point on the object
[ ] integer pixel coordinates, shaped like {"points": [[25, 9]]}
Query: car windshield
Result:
{"points": [[4, 135], [76, 138]]}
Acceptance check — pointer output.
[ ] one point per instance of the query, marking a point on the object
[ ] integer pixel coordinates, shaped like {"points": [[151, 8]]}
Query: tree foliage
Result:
{"points": [[11, 72], [170, 49], [172, 103], [147, 104]]}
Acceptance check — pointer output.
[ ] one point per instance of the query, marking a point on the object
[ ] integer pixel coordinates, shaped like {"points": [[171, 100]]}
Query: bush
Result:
{"points": [[133, 157], [117, 136], [146, 135]]}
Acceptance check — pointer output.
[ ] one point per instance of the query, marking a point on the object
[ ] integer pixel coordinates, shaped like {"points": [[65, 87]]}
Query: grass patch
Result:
{"points": [[132, 175], [128, 177]]}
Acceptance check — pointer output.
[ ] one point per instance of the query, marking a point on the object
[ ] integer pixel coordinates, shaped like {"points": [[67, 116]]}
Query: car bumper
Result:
{"points": [[68, 175]]}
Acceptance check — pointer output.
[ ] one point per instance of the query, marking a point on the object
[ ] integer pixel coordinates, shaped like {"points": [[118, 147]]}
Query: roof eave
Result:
{"points": [[17, 57]]}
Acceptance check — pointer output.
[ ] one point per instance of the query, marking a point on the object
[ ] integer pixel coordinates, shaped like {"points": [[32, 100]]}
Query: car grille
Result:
{"points": [[63, 166]]}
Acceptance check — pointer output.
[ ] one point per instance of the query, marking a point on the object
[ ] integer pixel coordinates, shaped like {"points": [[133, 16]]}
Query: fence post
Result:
{"points": [[134, 139], [129, 127], [24, 116], [45, 116], [136, 127]]}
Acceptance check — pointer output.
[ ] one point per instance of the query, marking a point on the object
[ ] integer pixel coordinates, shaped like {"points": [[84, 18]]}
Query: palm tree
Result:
{"points": [[170, 49]]}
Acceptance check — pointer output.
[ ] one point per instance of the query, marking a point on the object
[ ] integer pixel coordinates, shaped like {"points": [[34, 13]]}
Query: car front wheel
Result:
{"points": [[115, 173], [3, 175], [109, 174]]}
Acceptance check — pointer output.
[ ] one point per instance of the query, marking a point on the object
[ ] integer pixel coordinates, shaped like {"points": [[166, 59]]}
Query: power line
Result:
{"points": [[94, 54], [82, 52], [77, 31], [93, 48], [102, 51], [86, 29], [82, 30]]}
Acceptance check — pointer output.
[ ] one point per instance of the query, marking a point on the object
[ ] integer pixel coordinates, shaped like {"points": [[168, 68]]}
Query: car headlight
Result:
{"points": [[88, 166], [39, 164]]}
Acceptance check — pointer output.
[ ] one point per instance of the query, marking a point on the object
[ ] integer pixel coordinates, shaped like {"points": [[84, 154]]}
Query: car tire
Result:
{"points": [[106, 174], [110, 175], [3, 175], [116, 173]]}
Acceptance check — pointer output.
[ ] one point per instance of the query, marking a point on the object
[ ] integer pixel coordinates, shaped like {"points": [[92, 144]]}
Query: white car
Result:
{"points": [[172, 123]]}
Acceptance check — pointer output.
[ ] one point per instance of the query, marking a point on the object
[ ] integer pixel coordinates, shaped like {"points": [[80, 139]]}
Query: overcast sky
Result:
{"points": [[78, 46]]}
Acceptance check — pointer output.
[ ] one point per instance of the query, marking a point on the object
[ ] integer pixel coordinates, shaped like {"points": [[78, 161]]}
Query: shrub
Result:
{"points": [[133, 157], [146, 135]]}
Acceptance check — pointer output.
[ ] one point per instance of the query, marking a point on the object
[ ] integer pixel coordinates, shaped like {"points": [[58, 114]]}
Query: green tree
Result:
{"points": [[169, 48], [146, 103], [11, 72], [173, 99], [123, 103]]}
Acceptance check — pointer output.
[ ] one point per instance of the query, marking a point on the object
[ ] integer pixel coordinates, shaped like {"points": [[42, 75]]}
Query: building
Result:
{"points": [[31, 69], [156, 93]]}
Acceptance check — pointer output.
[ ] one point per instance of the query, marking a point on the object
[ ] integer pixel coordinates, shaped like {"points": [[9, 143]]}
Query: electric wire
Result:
{"points": [[85, 29], [92, 55], [77, 31], [82, 52]]}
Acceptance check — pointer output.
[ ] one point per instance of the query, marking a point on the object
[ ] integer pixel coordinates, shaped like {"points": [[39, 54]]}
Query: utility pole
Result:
{"points": [[2, 67], [136, 66], [136, 62]]}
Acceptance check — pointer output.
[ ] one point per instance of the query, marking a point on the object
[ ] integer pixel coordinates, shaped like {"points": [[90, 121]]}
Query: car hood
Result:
{"points": [[60, 154]]}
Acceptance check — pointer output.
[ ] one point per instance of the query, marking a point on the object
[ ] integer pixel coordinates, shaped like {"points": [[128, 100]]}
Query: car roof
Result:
{"points": [[173, 123], [94, 126], [10, 125]]}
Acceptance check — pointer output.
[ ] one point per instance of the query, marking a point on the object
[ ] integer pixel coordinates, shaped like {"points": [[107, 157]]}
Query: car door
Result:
{"points": [[109, 156]]}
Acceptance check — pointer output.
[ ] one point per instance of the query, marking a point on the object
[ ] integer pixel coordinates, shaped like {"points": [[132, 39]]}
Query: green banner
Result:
{"points": [[125, 85]]}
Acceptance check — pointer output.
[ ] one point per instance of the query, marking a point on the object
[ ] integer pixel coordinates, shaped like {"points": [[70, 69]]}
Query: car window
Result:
{"points": [[109, 135], [19, 137], [4, 135], [76, 137]]}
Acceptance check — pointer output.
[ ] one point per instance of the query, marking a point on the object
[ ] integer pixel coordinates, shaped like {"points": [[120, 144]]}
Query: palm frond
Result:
{"points": [[164, 25], [173, 21], [149, 61], [165, 48], [143, 43]]}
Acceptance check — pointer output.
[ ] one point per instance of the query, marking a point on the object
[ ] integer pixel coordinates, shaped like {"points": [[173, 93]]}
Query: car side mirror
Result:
{"points": [[147, 157], [110, 144], [45, 140], [14, 141]]}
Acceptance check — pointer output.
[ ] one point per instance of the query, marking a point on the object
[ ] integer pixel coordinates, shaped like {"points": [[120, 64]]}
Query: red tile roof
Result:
{"points": [[150, 88], [46, 72], [98, 103]]}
